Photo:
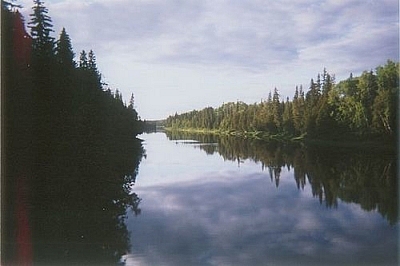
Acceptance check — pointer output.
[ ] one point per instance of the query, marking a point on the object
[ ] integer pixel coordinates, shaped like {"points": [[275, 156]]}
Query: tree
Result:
{"points": [[64, 52], [270, 114], [385, 104], [364, 106], [298, 110], [276, 110], [287, 118], [328, 82], [83, 60], [311, 103], [347, 111], [132, 102], [368, 89], [58, 134], [92, 65], [41, 27], [324, 123]]}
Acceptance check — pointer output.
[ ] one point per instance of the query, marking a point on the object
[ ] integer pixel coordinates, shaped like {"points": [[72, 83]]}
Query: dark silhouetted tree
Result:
{"points": [[41, 27], [83, 60], [64, 52]]}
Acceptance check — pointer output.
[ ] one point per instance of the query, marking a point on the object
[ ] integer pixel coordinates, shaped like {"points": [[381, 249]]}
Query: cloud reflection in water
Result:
{"points": [[243, 219]]}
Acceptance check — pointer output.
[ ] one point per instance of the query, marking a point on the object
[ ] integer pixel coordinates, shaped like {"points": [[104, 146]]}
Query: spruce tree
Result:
{"points": [[41, 27], [92, 61], [276, 110], [64, 52], [83, 61], [131, 105], [92, 66], [45, 98]]}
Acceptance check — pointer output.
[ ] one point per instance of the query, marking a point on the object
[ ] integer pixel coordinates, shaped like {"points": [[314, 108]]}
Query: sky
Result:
{"points": [[180, 55]]}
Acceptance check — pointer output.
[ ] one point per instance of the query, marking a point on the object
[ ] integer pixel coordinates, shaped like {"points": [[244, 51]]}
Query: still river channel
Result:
{"points": [[212, 201]]}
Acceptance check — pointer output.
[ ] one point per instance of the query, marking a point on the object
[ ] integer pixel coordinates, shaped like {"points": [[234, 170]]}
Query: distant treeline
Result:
{"points": [[153, 125], [359, 107], [69, 145]]}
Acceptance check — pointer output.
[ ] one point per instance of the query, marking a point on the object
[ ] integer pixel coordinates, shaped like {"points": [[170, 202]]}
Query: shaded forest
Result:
{"points": [[69, 147], [363, 107], [353, 176]]}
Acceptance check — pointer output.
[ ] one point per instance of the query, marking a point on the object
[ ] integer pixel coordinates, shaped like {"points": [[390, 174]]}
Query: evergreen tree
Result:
{"points": [[311, 111], [287, 119], [131, 107], [298, 110], [313, 94], [328, 83], [41, 27], [269, 123], [318, 85], [83, 60], [325, 124], [92, 65], [276, 110], [132, 102], [64, 52]]}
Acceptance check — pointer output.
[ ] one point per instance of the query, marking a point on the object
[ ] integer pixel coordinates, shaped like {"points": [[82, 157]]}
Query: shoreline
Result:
{"points": [[362, 143]]}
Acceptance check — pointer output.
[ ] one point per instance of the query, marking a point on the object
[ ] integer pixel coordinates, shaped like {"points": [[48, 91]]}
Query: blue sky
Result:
{"points": [[177, 55]]}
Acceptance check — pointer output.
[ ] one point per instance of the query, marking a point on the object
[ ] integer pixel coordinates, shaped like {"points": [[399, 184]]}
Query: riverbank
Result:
{"points": [[338, 142], [258, 135]]}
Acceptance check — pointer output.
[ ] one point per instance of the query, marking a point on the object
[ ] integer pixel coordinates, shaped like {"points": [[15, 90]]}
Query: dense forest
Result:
{"points": [[69, 149], [356, 108]]}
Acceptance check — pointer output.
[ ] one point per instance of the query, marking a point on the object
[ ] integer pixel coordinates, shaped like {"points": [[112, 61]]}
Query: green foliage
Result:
{"points": [[385, 105], [364, 106]]}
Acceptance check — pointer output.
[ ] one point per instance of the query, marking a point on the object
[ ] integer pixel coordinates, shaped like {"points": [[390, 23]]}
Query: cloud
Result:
{"points": [[253, 35], [247, 221], [230, 46], [353, 35]]}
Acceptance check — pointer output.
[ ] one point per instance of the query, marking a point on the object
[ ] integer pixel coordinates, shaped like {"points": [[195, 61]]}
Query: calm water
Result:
{"points": [[212, 201]]}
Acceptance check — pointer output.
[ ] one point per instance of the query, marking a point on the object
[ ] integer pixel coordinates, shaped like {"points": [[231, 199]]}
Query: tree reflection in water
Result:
{"points": [[79, 208], [367, 178], [77, 201]]}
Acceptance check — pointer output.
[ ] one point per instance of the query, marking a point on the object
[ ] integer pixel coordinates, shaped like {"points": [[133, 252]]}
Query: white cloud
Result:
{"points": [[278, 43], [247, 221]]}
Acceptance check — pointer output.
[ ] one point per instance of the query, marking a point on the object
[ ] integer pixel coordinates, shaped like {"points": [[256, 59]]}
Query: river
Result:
{"points": [[212, 201]]}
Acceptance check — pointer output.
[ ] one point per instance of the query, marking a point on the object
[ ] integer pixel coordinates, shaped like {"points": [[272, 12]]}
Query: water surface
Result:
{"points": [[210, 201]]}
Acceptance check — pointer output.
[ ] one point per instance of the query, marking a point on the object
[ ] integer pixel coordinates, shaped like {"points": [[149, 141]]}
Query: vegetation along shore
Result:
{"points": [[356, 111]]}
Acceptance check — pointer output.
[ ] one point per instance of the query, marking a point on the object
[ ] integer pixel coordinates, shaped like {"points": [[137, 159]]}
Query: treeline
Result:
{"points": [[68, 140], [358, 107]]}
